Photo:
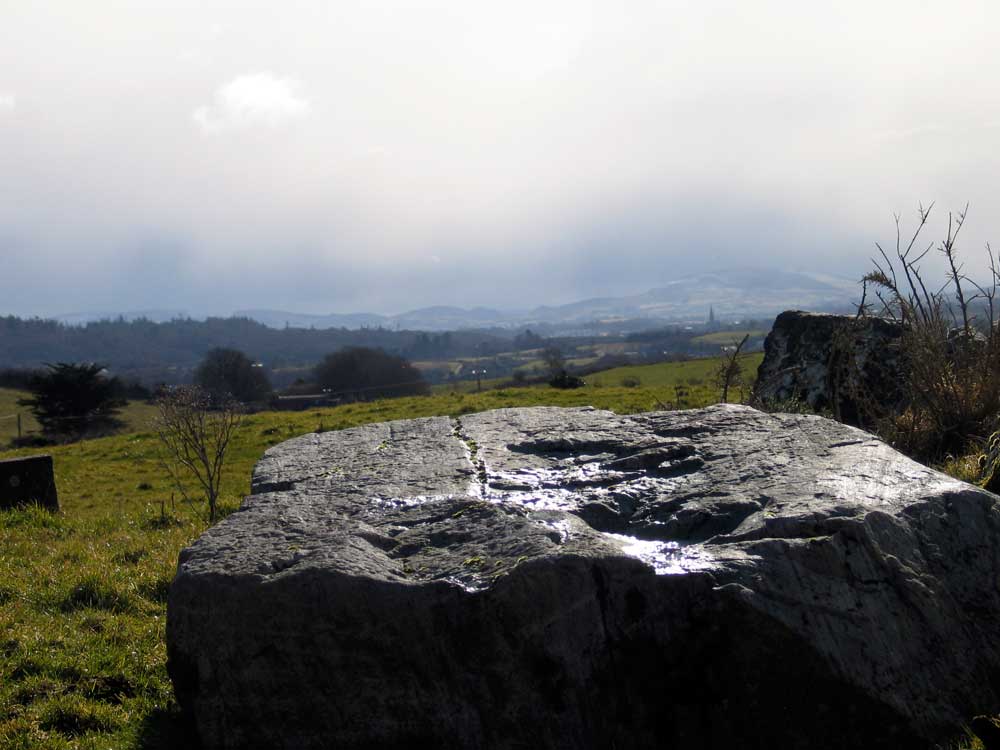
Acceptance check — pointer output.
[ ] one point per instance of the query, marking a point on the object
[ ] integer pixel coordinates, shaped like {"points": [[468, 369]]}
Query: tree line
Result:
{"points": [[75, 400], [168, 352]]}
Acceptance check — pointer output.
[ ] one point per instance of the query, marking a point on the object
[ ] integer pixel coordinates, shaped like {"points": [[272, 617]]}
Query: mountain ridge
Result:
{"points": [[734, 293]]}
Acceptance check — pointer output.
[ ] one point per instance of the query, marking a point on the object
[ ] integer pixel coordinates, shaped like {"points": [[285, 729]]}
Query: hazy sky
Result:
{"points": [[375, 155]]}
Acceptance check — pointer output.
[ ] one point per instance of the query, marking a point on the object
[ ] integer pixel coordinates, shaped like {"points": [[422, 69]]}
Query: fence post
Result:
{"points": [[19, 425]]}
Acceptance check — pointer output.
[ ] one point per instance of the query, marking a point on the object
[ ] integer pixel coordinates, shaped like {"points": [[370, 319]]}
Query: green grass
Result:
{"points": [[83, 592], [9, 409], [657, 381], [82, 620], [467, 386], [727, 338], [136, 416], [694, 376]]}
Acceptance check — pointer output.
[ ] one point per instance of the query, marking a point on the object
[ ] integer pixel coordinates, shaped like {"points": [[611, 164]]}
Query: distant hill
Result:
{"points": [[744, 293], [735, 293], [440, 318]]}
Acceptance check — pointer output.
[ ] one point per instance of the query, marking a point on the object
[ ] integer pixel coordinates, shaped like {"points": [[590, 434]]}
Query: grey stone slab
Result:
{"points": [[571, 578]]}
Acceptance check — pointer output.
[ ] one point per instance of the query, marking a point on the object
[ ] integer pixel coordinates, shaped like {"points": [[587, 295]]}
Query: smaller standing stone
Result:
{"points": [[838, 363], [28, 480]]}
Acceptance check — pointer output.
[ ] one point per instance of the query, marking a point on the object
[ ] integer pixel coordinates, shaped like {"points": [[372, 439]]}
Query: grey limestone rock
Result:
{"points": [[832, 362], [571, 578]]}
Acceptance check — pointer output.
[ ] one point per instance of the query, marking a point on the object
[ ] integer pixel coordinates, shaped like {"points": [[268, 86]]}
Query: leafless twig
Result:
{"points": [[196, 433]]}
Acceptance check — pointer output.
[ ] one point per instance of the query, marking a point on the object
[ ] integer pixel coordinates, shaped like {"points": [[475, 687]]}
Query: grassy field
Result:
{"points": [[466, 386], [659, 381], [689, 382], [9, 409], [83, 592], [727, 338], [136, 416]]}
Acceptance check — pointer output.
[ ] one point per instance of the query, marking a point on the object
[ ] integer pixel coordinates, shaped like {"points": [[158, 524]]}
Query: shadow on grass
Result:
{"points": [[167, 729]]}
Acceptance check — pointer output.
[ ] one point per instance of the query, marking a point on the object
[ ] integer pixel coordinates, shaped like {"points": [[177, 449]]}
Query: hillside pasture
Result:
{"points": [[658, 381], [135, 416], [83, 593], [690, 381], [728, 338]]}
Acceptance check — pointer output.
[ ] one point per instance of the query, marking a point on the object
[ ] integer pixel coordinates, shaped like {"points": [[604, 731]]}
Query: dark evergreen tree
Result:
{"points": [[75, 399]]}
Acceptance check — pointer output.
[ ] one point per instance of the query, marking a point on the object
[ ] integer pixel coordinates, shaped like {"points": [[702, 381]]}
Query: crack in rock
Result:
{"points": [[573, 578]]}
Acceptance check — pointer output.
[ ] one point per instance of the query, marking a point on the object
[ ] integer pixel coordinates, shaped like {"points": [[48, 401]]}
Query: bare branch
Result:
{"points": [[862, 307], [948, 249], [730, 372], [195, 433]]}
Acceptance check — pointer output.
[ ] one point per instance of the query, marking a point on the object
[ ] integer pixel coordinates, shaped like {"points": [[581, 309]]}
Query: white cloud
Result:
{"points": [[251, 100], [7, 103]]}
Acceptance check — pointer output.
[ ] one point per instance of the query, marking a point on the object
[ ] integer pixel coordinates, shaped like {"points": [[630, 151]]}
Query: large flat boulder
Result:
{"points": [[571, 578]]}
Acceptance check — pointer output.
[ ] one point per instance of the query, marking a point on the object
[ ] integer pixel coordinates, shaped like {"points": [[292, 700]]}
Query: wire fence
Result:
{"points": [[368, 389], [16, 418], [26, 425]]}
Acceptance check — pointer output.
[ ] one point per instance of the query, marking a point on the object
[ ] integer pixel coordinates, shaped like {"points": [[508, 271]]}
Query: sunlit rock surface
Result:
{"points": [[570, 578]]}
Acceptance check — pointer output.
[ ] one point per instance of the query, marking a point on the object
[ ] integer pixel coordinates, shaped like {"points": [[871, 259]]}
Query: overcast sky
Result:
{"points": [[340, 156]]}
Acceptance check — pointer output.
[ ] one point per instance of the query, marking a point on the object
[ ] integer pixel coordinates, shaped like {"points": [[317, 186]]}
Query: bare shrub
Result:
{"points": [[195, 430], [950, 348], [730, 372]]}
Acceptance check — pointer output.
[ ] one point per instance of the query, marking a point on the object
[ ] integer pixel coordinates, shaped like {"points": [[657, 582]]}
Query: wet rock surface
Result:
{"points": [[570, 578], [837, 363]]}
